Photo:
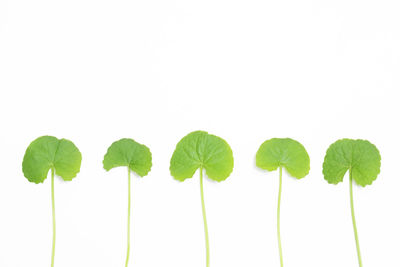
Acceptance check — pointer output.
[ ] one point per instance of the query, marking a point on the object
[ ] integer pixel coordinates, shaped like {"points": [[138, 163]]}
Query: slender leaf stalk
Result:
{"points": [[204, 219], [129, 219], [53, 250], [354, 219], [279, 217]]}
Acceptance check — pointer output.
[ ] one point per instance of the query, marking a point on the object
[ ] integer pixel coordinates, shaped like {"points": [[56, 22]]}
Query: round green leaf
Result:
{"points": [[200, 149], [284, 152], [127, 152], [359, 156], [49, 152]]}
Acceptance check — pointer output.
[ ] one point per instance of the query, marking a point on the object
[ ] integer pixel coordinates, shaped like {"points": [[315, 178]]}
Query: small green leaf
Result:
{"points": [[127, 152], [359, 156], [200, 149], [49, 152], [362, 160], [284, 152], [205, 151], [136, 157]]}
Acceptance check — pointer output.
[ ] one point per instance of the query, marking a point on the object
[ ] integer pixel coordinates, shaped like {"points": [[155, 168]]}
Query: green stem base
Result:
{"points": [[128, 237], [353, 217], [204, 219], [279, 217]]}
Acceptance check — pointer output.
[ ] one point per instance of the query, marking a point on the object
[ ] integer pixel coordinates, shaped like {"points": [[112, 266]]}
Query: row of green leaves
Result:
{"points": [[202, 151]]}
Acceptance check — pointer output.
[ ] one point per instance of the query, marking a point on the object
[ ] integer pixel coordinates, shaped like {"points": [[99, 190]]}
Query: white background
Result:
{"points": [[155, 70]]}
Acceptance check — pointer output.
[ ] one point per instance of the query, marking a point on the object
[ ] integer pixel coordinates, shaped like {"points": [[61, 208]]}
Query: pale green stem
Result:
{"points": [[354, 219], [204, 219], [129, 219], [279, 217], [53, 250]]}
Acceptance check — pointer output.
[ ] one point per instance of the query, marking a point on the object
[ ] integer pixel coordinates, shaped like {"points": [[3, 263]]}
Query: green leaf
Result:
{"points": [[135, 156], [127, 152], [49, 152], [200, 149], [284, 152], [359, 156]]}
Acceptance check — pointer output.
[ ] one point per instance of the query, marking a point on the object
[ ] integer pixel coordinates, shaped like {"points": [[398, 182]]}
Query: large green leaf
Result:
{"points": [[359, 156], [49, 152], [127, 152], [200, 149], [284, 152]]}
